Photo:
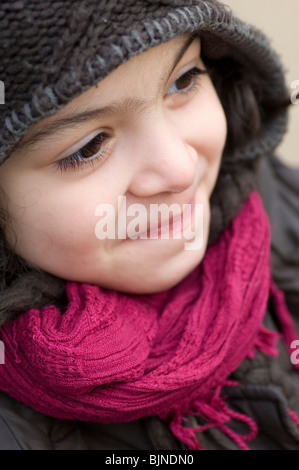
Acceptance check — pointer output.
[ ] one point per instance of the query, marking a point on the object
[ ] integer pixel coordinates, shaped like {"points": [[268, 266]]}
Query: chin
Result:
{"points": [[157, 282]]}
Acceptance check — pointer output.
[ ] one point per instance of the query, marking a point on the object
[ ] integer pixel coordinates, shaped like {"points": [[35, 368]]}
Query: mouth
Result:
{"points": [[171, 226]]}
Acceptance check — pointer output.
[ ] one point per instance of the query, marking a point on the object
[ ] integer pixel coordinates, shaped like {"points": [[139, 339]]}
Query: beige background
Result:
{"points": [[279, 19]]}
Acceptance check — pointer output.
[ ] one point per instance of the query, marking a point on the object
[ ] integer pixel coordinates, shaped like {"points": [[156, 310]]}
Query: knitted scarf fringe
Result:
{"points": [[215, 411]]}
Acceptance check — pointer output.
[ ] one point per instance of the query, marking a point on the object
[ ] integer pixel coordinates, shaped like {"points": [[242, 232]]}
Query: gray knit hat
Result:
{"points": [[51, 51]]}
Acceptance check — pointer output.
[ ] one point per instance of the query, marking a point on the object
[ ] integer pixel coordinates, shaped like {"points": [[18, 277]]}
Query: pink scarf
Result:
{"points": [[113, 357]]}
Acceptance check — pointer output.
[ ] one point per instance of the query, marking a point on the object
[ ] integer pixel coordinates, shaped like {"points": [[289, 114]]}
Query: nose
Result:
{"points": [[164, 161]]}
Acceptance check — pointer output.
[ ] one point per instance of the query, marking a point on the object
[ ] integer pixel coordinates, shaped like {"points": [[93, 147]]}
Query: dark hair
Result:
{"points": [[23, 286], [248, 112], [246, 108]]}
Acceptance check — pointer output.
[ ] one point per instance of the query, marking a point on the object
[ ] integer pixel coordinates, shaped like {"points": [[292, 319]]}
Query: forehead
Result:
{"points": [[151, 64], [149, 67]]}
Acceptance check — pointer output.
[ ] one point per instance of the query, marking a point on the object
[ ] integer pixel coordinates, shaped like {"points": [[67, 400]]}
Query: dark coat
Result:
{"points": [[268, 386]]}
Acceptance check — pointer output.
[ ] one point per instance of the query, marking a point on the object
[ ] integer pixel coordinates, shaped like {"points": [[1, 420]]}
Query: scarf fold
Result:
{"points": [[113, 357]]}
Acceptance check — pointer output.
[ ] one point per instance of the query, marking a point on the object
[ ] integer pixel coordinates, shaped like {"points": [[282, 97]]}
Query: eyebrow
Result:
{"points": [[129, 105]]}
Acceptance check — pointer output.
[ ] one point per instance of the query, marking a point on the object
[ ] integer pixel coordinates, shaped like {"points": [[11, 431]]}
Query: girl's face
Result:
{"points": [[154, 132]]}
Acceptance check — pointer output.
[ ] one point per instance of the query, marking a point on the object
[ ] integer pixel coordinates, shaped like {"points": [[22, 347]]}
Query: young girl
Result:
{"points": [[117, 331]]}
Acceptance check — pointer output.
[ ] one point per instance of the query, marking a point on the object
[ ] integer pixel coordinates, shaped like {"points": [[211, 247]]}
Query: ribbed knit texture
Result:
{"points": [[113, 357]]}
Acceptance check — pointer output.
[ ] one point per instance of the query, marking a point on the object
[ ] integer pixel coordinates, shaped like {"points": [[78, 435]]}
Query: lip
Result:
{"points": [[173, 225]]}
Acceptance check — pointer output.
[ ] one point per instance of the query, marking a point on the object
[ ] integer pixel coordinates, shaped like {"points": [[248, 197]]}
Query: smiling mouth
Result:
{"points": [[174, 225]]}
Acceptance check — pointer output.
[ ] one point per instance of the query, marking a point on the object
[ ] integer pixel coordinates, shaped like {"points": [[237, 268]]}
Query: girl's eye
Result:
{"points": [[186, 82], [90, 153]]}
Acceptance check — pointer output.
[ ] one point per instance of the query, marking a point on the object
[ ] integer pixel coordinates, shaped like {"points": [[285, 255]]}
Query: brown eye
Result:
{"points": [[94, 150], [185, 82], [93, 146]]}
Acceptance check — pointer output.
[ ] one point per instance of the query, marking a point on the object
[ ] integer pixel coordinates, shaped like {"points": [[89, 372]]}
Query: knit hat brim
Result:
{"points": [[62, 51]]}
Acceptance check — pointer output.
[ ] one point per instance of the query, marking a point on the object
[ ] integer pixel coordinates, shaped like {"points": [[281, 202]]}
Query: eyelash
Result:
{"points": [[78, 161], [194, 74]]}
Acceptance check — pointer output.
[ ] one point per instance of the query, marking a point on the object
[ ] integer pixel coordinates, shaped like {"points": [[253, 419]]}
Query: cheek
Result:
{"points": [[215, 132], [203, 123], [56, 225], [212, 122], [206, 130]]}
